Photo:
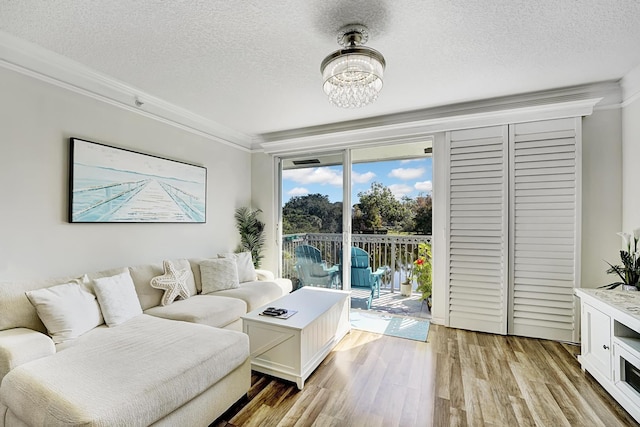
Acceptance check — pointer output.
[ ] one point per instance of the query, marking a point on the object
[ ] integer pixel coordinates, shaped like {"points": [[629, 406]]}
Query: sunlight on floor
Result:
{"points": [[394, 303]]}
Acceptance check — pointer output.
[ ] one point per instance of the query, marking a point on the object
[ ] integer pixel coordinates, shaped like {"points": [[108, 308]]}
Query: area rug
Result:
{"points": [[395, 326]]}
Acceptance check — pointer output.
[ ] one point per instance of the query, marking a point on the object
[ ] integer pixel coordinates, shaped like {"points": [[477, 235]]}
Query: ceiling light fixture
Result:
{"points": [[353, 76]]}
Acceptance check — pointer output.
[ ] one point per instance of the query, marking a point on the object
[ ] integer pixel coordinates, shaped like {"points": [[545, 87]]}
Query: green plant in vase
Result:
{"points": [[629, 271], [251, 231]]}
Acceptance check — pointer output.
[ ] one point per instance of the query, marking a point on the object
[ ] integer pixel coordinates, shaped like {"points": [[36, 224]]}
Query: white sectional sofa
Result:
{"points": [[184, 363]]}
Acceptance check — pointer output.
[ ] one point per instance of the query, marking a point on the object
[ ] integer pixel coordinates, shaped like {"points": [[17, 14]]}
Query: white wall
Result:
{"points": [[36, 241], [601, 195], [263, 197], [631, 166]]}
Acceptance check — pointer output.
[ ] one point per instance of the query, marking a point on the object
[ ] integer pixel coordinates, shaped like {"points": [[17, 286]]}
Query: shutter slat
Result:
{"points": [[548, 232], [544, 185], [551, 160], [545, 304], [524, 261], [536, 147], [545, 171]]}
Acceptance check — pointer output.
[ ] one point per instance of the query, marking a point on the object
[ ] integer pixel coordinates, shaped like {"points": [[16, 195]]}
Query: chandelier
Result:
{"points": [[353, 76]]}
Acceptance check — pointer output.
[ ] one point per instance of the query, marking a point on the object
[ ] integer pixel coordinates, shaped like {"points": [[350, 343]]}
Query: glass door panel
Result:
{"points": [[312, 188], [391, 217]]}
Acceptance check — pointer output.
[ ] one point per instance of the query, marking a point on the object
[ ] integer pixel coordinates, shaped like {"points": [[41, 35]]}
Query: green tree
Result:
{"points": [[379, 208], [295, 222], [423, 215], [313, 213]]}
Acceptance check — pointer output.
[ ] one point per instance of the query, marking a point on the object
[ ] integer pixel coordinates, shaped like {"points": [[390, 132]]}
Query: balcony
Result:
{"points": [[395, 252]]}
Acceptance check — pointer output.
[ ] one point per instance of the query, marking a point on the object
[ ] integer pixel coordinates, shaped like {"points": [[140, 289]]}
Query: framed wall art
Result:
{"points": [[109, 184]]}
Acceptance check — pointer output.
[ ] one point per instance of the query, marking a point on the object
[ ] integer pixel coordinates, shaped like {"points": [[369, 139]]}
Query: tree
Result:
{"points": [[379, 208], [423, 215], [313, 213], [295, 222]]}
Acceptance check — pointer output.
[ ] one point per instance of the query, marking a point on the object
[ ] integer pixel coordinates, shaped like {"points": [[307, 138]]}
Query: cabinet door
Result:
{"points": [[596, 340]]}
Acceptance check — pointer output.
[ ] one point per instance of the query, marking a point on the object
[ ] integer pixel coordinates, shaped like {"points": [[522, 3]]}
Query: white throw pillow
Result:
{"points": [[218, 274], [67, 310], [244, 261], [173, 282], [117, 297]]}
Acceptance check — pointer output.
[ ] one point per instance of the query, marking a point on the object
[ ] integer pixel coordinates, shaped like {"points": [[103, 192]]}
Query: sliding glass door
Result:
{"points": [[375, 199], [312, 189]]}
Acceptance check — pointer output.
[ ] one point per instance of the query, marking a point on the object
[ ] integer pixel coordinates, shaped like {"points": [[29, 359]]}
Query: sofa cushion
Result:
{"points": [[17, 311], [154, 367], [68, 310], [197, 274], [244, 262], [142, 275], [173, 282], [254, 294], [211, 310], [117, 298], [218, 274]]}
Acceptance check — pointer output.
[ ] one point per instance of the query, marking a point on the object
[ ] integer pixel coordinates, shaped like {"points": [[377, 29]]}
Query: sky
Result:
{"points": [[403, 177]]}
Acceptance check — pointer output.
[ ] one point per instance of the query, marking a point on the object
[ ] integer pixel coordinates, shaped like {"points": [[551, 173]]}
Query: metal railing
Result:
{"points": [[394, 252]]}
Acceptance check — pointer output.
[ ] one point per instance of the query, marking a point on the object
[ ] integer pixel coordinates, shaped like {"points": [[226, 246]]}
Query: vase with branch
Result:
{"points": [[407, 285], [629, 271]]}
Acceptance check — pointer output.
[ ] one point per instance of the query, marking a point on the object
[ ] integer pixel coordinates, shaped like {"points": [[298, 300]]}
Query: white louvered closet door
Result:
{"points": [[477, 227], [544, 176]]}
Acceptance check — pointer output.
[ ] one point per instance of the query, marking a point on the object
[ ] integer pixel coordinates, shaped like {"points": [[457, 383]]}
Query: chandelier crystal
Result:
{"points": [[353, 76]]}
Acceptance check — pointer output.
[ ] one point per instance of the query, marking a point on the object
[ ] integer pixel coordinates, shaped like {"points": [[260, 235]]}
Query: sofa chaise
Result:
{"points": [[138, 362]]}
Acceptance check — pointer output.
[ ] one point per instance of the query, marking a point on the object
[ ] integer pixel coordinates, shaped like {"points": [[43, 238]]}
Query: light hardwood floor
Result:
{"points": [[456, 378]]}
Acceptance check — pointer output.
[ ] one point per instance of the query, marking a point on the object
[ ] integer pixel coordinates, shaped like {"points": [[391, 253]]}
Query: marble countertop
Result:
{"points": [[626, 301]]}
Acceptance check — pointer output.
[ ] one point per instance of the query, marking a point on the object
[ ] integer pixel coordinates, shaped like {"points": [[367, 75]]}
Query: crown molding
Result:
{"points": [[631, 86], [437, 120], [34, 61]]}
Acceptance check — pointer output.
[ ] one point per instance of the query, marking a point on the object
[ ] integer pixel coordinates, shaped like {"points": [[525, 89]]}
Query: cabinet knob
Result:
{"points": [[606, 347]]}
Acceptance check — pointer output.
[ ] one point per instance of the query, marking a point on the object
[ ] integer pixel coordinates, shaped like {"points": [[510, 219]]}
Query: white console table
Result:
{"points": [[610, 323]]}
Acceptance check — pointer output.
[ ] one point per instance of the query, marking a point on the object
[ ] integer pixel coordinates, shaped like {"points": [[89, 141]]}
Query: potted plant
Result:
{"points": [[422, 271], [405, 287], [251, 231], [629, 271]]}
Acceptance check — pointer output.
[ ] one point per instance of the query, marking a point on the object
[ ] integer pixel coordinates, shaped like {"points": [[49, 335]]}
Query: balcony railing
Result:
{"points": [[394, 252]]}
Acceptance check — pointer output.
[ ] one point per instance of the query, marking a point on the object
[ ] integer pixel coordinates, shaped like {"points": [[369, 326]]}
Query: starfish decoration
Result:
{"points": [[173, 282]]}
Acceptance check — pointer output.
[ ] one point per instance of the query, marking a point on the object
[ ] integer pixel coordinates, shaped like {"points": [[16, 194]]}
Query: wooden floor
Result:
{"points": [[456, 378]]}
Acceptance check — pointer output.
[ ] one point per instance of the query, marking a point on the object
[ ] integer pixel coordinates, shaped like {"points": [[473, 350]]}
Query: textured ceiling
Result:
{"points": [[253, 65]]}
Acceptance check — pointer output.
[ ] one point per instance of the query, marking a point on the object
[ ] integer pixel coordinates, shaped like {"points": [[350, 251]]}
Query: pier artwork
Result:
{"points": [[115, 185]]}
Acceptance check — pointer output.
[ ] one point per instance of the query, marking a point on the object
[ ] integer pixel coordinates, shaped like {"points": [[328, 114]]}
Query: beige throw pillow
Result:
{"points": [[173, 282], [244, 262], [67, 310], [218, 274], [117, 297]]}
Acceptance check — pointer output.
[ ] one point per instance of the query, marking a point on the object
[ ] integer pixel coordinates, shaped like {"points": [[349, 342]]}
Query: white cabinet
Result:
{"points": [[610, 326], [596, 341], [293, 348]]}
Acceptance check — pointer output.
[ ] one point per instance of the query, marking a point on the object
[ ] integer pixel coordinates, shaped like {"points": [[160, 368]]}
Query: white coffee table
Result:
{"points": [[292, 348]]}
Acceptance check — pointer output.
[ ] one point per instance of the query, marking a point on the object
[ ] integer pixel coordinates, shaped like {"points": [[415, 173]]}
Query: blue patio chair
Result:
{"points": [[362, 276], [312, 270]]}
